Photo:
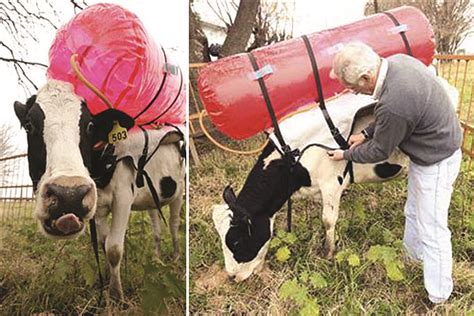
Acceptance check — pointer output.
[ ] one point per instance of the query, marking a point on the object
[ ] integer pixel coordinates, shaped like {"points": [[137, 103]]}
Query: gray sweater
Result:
{"points": [[414, 113]]}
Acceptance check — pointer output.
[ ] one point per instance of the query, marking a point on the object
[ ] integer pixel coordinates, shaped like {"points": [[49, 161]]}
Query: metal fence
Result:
{"points": [[458, 70], [16, 190]]}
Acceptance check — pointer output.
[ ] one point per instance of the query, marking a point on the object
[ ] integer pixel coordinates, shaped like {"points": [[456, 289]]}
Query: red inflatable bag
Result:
{"points": [[117, 55], [231, 94]]}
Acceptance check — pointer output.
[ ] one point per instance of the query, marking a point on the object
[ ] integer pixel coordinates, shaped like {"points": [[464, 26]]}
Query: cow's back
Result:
{"points": [[328, 173], [166, 169]]}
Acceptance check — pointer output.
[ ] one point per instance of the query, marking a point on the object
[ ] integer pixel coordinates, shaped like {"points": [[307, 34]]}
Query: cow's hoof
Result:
{"points": [[328, 253], [329, 256], [116, 295], [176, 256], [157, 254]]}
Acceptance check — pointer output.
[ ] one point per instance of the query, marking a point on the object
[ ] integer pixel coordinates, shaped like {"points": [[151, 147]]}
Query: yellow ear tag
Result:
{"points": [[117, 133]]}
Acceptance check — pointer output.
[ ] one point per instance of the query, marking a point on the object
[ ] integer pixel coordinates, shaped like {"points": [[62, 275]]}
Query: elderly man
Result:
{"points": [[414, 113]]}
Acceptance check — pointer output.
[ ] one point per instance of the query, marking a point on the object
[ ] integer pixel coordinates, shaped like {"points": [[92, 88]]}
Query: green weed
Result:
{"points": [[368, 275], [38, 275]]}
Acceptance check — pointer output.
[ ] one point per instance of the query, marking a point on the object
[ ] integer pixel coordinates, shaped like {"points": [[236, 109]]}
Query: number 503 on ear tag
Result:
{"points": [[117, 133]]}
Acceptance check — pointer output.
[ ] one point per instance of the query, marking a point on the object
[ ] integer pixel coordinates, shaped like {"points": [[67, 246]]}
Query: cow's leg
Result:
{"points": [[175, 209], [156, 227], [121, 208], [103, 228], [331, 195]]}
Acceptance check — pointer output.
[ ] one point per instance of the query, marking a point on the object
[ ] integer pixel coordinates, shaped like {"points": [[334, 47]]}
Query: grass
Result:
{"points": [[39, 276], [358, 281]]}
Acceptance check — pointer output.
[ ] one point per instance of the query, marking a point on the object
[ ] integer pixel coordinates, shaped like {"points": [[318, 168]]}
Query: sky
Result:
{"points": [[315, 15], [309, 15], [165, 21]]}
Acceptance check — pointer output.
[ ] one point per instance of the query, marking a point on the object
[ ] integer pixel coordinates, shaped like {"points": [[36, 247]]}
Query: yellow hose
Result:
{"points": [[225, 148], [87, 83]]}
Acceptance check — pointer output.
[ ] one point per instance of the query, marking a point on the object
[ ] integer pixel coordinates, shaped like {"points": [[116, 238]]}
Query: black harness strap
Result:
{"points": [[159, 144], [181, 85], [142, 160], [143, 175], [154, 194], [268, 102], [402, 34], [288, 155], [322, 105], [349, 169], [159, 89], [340, 140], [95, 247]]}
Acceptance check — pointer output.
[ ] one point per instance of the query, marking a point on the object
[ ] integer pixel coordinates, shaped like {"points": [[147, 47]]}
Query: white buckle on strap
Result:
{"points": [[171, 69], [399, 29], [262, 72]]}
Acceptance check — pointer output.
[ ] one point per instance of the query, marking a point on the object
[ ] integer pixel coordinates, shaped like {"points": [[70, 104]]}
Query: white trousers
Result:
{"points": [[427, 237]]}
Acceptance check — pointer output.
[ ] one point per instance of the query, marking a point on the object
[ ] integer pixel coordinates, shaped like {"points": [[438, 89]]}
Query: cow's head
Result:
{"points": [[245, 223], [245, 238], [60, 137]]}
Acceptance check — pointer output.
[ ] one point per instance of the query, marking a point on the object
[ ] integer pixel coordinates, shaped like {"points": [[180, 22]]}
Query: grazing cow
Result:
{"points": [[245, 222], [64, 157]]}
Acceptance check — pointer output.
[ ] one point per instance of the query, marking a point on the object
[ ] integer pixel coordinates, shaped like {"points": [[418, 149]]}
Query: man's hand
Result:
{"points": [[356, 140], [336, 155]]}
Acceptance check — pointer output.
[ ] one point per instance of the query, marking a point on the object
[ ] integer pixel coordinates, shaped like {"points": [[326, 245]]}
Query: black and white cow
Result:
{"points": [[245, 222], [62, 135]]}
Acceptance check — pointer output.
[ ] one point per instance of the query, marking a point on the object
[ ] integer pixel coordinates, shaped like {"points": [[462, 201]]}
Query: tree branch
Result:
{"points": [[19, 61], [38, 16], [77, 6]]}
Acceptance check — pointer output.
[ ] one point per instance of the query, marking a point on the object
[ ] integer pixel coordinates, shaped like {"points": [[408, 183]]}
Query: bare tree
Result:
{"points": [[7, 148], [20, 23], [224, 10], [239, 33], [451, 19], [6, 145], [273, 24], [198, 45]]}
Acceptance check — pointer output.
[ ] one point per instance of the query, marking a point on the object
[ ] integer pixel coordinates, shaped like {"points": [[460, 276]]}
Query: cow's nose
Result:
{"points": [[70, 194], [64, 195]]}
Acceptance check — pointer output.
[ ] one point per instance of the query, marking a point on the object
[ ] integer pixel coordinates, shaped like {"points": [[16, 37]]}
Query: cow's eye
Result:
{"points": [[90, 129], [28, 127]]}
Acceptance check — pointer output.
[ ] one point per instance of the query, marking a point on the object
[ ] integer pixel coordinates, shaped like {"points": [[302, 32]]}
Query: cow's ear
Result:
{"points": [[21, 110], [229, 196]]}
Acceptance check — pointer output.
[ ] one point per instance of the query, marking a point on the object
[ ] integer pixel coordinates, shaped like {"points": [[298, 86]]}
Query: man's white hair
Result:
{"points": [[354, 60]]}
